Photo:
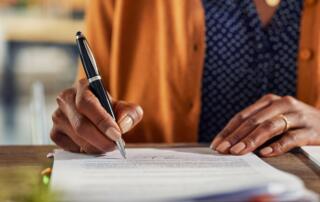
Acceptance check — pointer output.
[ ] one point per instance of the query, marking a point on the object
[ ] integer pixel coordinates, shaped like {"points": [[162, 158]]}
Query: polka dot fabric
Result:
{"points": [[245, 60]]}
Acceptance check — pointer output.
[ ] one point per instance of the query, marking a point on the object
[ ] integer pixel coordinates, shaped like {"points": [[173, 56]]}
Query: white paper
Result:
{"points": [[164, 175]]}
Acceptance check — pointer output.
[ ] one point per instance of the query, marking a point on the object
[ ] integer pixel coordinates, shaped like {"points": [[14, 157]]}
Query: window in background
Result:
{"points": [[37, 55]]}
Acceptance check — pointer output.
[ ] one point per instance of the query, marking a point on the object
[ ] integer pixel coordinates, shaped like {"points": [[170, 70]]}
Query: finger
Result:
{"points": [[290, 140], [266, 131], [88, 105], [241, 117], [128, 115], [62, 124], [277, 107], [83, 127], [284, 105], [260, 104], [63, 141]]}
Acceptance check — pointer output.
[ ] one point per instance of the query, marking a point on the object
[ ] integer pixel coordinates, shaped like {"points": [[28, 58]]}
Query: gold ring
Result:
{"points": [[286, 121]]}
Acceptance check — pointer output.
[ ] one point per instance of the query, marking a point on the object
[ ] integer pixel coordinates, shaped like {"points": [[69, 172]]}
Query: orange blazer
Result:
{"points": [[151, 52]]}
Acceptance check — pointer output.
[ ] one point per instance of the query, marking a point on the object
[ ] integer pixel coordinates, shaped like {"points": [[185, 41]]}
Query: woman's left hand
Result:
{"points": [[272, 115]]}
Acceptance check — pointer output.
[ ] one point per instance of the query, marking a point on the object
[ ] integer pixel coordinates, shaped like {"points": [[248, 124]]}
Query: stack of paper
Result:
{"points": [[184, 174]]}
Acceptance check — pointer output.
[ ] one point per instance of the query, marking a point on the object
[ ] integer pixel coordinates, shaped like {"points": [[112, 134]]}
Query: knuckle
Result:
{"points": [[79, 124], [240, 117], [65, 95], [55, 136], [289, 100], [61, 95], [270, 96], [225, 132], [268, 125], [234, 138], [252, 122], [85, 100], [56, 117], [83, 82], [251, 143], [104, 123]]}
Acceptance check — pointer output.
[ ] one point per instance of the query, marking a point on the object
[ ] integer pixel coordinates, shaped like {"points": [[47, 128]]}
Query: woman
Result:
{"points": [[250, 68]]}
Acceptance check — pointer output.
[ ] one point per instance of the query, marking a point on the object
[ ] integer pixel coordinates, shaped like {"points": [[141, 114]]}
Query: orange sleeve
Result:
{"points": [[98, 22]]}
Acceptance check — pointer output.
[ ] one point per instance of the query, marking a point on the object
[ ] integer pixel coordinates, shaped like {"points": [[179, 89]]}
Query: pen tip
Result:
{"points": [[124, 154], [120, 145]]}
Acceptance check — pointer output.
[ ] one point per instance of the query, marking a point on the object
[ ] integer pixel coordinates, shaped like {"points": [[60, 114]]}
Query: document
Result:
{"points": [[172, 174]]}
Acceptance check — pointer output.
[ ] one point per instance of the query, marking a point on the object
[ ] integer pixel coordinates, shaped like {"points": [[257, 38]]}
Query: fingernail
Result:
{"points": [[113, 134], [223, 146], [266, 150], [215, 142], [139, 110], [211, 146], [238, 148], [126, 124]]}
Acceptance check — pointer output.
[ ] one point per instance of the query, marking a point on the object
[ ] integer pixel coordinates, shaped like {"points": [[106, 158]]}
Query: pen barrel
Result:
{"points": [[98, 90], [86, 56]]}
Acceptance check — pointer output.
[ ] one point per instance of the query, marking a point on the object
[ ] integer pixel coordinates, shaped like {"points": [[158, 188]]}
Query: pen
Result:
{"points": [[95, 82]]}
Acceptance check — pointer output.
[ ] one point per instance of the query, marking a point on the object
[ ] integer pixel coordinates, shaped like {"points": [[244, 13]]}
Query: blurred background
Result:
{"points": [[38, 59]]}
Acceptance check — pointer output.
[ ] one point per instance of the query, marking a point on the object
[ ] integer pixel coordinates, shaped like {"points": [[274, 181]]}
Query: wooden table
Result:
{"points": [[35, 156]]}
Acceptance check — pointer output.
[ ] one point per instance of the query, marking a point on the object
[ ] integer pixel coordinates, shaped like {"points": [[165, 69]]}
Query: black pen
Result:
{"points": [[95, 83]]}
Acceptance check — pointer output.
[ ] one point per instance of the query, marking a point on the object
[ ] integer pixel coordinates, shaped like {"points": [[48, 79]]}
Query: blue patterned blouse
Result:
{"points": [[245, 60]]}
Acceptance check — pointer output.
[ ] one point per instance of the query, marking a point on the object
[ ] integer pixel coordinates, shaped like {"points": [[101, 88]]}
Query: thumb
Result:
{"points": [[127, 114]]}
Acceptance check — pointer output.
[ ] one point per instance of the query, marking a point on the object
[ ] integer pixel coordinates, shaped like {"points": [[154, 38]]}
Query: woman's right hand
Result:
{"points": [[81, 124]]}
